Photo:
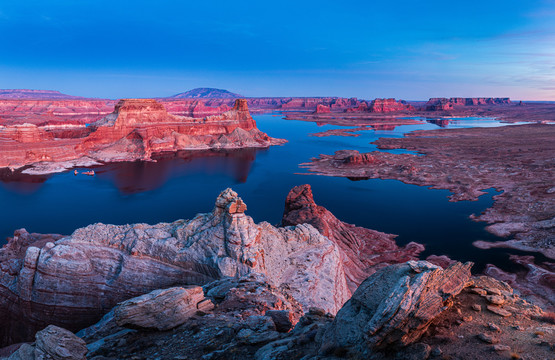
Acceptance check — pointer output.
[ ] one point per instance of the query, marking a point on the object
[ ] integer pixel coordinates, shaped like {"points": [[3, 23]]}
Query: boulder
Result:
{"points": [[395, 306], [160, 309], [52, 343]]}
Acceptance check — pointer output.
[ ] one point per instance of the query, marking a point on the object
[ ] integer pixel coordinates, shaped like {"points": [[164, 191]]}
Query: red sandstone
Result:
{"points": [[135, 130]]}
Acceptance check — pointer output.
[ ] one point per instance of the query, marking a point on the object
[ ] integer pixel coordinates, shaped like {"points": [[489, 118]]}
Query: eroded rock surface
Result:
{"points": [[395, 306], [52, 343], [73, 281], [160, 309]]}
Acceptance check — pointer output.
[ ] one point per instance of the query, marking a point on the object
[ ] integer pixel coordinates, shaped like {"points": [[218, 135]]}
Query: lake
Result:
{"points": [[178, 186]]}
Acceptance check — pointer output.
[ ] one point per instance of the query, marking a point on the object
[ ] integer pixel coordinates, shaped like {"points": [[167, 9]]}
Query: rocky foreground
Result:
{"points": [[220, 286], [135, 130], [72, 281]]}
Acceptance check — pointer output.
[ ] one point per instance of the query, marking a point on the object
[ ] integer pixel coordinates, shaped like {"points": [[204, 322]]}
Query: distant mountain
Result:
{"points": [[35, 94], [206, 93]]}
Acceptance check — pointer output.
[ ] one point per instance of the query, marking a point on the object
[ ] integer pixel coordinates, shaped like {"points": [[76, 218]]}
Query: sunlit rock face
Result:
{"points": [[135, 130], [440, 104]]}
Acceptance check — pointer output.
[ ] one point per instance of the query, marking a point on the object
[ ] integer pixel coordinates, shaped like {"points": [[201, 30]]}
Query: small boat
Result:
{"points": [[90, 173]]}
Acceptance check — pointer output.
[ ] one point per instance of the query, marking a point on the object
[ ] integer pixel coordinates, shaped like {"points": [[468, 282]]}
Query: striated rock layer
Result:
{"points": [[73, 281], [440, 104], [135, 130], [395, 306]]}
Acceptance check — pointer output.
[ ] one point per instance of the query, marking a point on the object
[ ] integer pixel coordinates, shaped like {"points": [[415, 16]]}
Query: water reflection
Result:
{"points": [[17, 182], [439, 122], [141, 176]]}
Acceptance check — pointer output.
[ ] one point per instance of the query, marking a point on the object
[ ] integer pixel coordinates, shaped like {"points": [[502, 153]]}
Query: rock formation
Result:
{"points": [[442, 104], [160, 309], [75, 280], [536, 281], [135, 130], [388, 105], [405, 311], [72, 281], [395, 306], [322, 109], [53, 112], [363, 251], [195, 108], [52, 343], [34, 94]]}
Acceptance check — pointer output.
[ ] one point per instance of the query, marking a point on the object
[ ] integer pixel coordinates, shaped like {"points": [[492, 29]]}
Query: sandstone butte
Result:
{"points": [[135, 130]]}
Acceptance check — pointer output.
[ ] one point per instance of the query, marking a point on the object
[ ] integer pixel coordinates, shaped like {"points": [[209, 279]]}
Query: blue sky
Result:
{"points": [[405, 49]]}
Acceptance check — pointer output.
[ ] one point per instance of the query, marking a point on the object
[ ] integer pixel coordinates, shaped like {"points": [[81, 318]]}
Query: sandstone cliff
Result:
{"points": [[136, 129], [442, 104]]}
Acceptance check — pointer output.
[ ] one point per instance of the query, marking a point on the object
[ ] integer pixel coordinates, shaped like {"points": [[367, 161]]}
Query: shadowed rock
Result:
{"points": [[395, 306], [52, 343]]}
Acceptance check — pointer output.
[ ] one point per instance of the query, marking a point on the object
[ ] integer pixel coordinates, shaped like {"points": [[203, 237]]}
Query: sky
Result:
{"points": [[406, 49]]}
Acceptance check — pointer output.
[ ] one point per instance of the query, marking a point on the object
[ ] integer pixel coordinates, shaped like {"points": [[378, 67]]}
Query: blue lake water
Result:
{"points": [[182, 185]]}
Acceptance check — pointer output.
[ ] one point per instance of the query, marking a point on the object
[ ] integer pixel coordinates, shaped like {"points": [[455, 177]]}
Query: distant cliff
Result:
{"points": [[438, 104]]}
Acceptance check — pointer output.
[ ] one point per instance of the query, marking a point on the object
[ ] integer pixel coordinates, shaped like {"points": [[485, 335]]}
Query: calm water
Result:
{"points": [[180, 186]]}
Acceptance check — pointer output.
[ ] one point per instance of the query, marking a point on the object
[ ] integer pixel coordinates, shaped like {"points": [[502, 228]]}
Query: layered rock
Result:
{"points": [[73, 281], [388, 105], [395, 306], [363, 251], [53, 112], [243, 324], [442, 104], [322, 109], [34, 94], [135, 130], [535, 281], [160, 309], [196, 108], [52, 343]]}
